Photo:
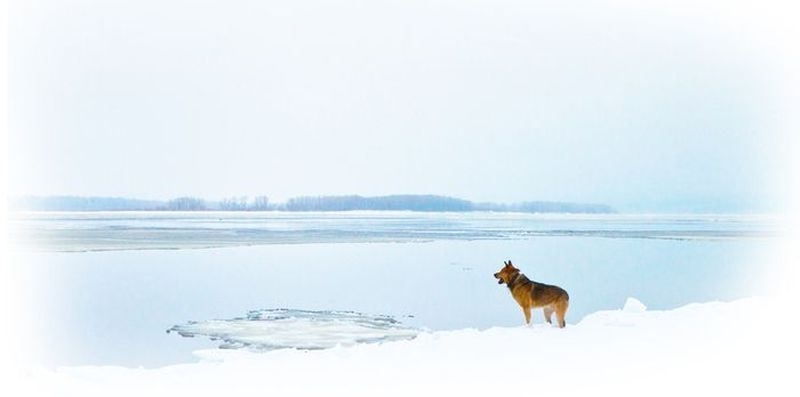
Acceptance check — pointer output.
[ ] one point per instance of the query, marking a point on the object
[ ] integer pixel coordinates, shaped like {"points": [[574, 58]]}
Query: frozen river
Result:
{"points": [[110, 284]]}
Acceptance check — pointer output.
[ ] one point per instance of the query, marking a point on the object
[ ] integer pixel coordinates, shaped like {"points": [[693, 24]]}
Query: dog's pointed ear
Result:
{"points": [[505, 263], [509, 263]]}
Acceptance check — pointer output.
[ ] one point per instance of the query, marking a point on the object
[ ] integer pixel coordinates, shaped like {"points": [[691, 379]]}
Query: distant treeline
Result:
{"points": [[382, 203], [404, 202]]}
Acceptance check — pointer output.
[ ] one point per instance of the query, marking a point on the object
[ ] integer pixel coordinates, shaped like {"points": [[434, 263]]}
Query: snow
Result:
{"points": [[709, 348], [633, 305]]}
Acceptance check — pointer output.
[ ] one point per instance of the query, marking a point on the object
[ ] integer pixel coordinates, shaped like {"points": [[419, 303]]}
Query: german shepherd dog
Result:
{"points": [[530, 294]]}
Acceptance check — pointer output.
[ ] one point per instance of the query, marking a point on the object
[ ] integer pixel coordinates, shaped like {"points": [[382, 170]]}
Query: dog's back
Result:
{"points": [[544, 294]]}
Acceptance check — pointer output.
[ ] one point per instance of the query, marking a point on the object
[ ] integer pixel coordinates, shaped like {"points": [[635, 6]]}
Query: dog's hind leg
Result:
{"points": [[548, 314], [561, 312]]}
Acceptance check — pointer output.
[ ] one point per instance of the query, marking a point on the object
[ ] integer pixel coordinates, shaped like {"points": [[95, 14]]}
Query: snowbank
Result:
{"points": [[711, 348]]}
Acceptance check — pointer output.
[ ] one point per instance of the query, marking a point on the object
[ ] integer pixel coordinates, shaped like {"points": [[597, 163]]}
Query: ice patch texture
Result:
{"points": [[299, 329]]}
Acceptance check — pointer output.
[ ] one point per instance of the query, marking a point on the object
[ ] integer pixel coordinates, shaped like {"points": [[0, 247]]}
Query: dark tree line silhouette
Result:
{"points": [[383, 203], [400, 202]]}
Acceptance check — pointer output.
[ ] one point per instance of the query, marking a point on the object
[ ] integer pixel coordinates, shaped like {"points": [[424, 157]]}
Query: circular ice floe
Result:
{"points": [[300, 329], [633, 305]]}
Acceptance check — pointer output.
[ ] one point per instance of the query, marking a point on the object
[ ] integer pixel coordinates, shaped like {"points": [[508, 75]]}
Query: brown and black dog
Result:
{"points": [[530, 294]]}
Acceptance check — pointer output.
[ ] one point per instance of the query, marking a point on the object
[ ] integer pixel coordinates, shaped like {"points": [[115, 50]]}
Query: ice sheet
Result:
{"points": [[299, 329]]}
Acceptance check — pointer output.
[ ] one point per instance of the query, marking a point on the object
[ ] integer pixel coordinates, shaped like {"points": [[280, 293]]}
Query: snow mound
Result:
{"points": [[698, 349], [633, 305], [630, 315], [299, 329]]}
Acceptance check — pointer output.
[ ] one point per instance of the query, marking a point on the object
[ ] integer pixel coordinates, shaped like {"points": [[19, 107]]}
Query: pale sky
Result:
{"points": [[669, 106]]}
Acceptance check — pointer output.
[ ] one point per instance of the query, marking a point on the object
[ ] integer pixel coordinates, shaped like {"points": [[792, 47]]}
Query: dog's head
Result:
{"points": [[507, 273]]}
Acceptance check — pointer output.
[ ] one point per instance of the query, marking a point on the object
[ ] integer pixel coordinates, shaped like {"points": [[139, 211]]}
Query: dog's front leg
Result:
{"points": [[527, 311]]}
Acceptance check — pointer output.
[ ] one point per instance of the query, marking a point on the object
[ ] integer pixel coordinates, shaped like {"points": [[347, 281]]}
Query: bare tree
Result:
{"points": [[233, 203], [186, 204], [260, 203]]}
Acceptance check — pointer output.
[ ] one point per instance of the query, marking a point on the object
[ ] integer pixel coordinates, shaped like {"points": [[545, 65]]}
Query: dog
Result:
{"points": [[530, 294]]}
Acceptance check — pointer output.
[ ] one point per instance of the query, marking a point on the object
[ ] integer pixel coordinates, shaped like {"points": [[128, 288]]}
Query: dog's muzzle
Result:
{"points": [[499, 279]]}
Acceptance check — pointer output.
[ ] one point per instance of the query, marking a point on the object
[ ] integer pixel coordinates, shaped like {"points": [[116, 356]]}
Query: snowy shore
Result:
{"points": [[711, 348]]}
